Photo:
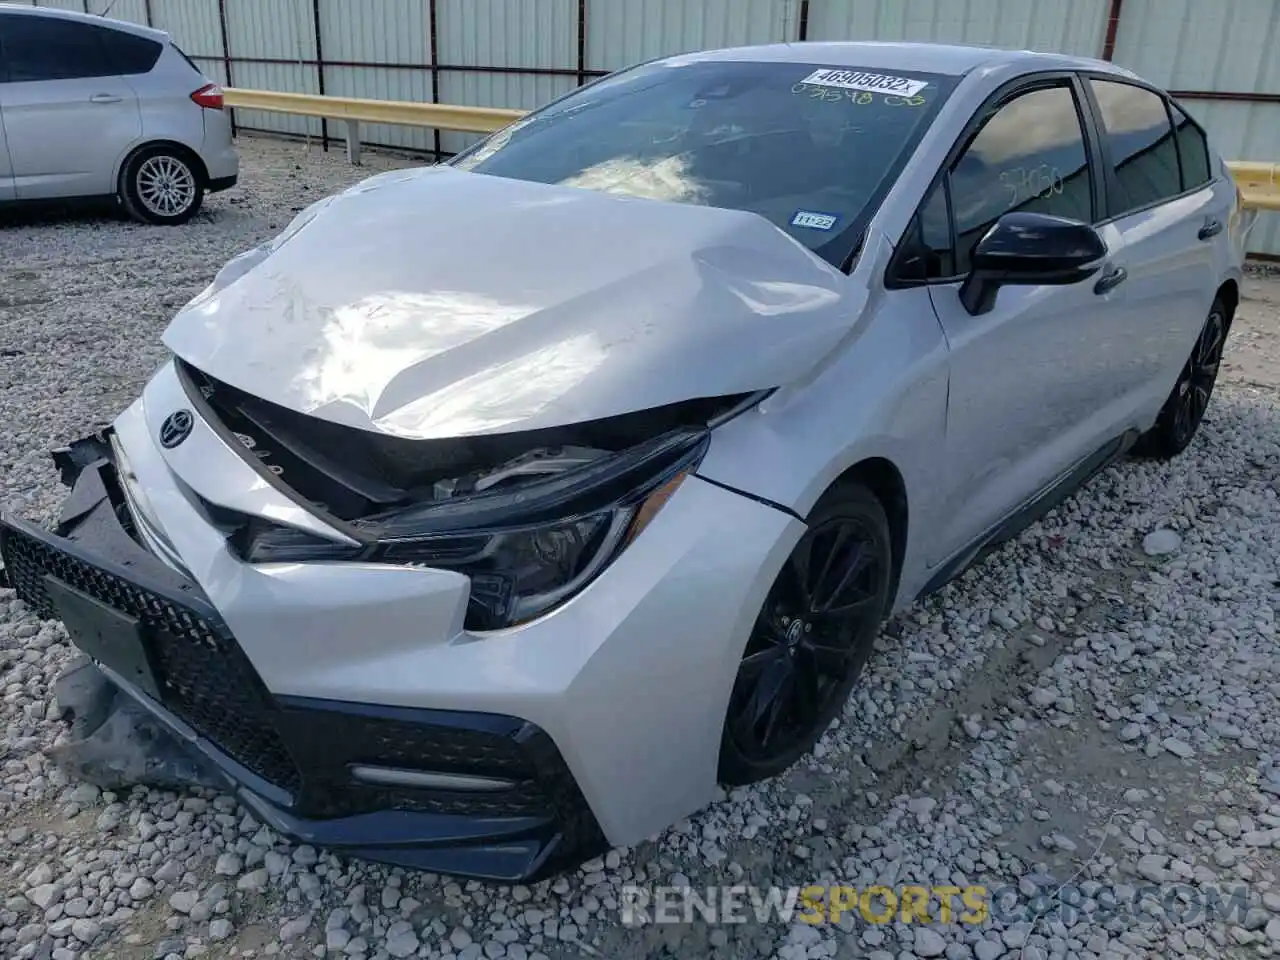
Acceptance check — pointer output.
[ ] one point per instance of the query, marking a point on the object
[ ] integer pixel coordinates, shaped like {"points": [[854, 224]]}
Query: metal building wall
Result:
{"points": [[1231, 47], [622, 32], [394, 36], [1065, 26]]}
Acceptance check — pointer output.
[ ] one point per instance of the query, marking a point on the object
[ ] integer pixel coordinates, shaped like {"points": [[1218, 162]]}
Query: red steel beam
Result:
{"points": [[1113, 26]]}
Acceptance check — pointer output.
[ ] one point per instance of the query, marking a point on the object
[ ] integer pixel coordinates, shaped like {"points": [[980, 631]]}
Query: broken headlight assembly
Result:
{"points": [[529, 534]]}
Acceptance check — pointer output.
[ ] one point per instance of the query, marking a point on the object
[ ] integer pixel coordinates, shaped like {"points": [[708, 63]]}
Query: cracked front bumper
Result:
{"points": [[608, 710], [295, 760]]}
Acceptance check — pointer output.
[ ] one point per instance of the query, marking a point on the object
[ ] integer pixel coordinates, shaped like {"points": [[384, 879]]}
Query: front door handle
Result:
{"points": [[1210, 229], [1109, 281], [105, 98]]}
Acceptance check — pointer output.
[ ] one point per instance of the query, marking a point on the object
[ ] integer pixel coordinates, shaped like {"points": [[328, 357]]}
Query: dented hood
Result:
{"points": [[437, 303]]}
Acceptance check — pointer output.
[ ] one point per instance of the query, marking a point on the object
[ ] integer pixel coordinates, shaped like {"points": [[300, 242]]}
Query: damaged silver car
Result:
{"points": [[495, 511]]}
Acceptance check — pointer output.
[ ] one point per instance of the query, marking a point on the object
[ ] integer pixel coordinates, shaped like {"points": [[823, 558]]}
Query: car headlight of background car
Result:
{"points": [[526, 547]]}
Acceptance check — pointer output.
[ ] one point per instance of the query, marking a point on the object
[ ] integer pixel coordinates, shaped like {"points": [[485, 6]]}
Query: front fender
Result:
{"points": [[882, 395]]}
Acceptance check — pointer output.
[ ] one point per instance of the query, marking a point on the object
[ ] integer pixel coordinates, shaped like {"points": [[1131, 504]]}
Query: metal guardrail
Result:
{"points": [[1259, 183], [356, 111]]}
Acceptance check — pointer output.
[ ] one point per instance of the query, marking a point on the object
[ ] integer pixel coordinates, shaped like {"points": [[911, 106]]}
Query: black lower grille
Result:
{"points": [[307, 748], [204, 677]]}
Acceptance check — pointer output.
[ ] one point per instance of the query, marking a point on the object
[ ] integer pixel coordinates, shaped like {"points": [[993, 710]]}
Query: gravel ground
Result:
{"points": [[1096, 705]]}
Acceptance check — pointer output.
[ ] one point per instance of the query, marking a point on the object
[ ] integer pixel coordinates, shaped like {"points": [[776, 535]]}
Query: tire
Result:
{"points": [[1183, 411], [161, 185], [809, 659]]}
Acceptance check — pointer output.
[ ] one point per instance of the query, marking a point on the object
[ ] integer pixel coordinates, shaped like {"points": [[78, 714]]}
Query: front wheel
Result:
{"points": [[812, 637], [161, 186], [1183, 411]]}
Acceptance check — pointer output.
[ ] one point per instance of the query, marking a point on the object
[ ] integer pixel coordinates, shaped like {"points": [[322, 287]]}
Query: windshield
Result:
{"points": [[812, 149]]}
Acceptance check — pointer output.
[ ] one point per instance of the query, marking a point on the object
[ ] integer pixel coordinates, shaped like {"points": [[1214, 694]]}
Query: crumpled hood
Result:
{"points": [[437, 303]]}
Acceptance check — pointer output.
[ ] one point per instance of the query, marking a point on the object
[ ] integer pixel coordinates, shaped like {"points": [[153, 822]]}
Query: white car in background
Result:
{"points": [[91, 107]]}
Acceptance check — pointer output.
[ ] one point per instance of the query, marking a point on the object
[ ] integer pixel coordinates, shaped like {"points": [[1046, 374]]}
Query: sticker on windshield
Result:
{"points": [[861, 80], [814, 220]]}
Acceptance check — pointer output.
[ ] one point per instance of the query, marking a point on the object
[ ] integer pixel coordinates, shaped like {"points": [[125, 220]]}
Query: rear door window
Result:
{"points": [[1144, 155], [50, 48]]}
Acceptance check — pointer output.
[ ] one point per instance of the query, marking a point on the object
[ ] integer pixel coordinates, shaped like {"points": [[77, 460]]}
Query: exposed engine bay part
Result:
{"points": [[352, 474], [541, 462]]}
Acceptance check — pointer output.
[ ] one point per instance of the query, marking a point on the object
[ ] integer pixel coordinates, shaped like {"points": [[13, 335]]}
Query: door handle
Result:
{"points": [[1210, 229], [105, 98], [1109, 281]]}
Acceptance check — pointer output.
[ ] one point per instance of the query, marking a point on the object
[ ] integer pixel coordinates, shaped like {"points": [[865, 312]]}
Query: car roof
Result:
{"points": [[944, 58], [55, 12]]}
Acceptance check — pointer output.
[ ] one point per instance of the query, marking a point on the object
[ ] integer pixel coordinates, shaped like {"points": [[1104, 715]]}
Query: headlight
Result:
{"points": [[526, 548]]}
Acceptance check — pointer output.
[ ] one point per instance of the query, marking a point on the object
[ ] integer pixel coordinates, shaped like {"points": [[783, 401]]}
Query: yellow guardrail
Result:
{"points": [[355, 111], [1259, 183]]}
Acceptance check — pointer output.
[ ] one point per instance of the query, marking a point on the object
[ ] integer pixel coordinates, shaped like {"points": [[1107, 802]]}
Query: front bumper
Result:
{"points": [[294, 760], [628, 682]]}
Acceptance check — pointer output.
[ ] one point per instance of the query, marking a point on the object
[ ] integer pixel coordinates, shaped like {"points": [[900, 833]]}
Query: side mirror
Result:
{"points": [[1030, 248]]}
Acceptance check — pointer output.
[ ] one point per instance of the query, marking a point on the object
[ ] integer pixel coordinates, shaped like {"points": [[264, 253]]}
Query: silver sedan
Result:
{"points": [[494, 512]]}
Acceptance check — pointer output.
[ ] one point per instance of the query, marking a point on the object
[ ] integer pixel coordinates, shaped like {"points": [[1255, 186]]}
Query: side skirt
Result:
{"points": [[1031, 511]]}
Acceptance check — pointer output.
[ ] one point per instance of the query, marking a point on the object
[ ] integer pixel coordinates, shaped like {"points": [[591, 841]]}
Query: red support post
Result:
{"points": [[1113, 26]]}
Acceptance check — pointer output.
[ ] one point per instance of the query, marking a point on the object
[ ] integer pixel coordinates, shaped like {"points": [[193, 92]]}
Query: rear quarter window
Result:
{"points": [[1193, 150], [130, 53]]}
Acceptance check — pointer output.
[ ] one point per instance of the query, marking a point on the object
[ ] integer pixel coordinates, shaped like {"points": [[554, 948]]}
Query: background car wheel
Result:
{"points": [[812, 637], [161, 186], [1182, 413]]}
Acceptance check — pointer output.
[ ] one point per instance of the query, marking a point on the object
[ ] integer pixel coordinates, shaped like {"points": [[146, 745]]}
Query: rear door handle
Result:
{"points": [[105, 98], [1109, 281], [1210, 230]]}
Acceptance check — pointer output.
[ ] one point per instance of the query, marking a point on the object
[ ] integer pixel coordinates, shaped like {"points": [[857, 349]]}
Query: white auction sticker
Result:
{"points": [[869, 82]]}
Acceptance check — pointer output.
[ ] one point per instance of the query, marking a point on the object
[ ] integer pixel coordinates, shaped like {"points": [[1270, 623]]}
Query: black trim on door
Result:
{"points": [[1030, 510], [4, 60], [1003, 94]]}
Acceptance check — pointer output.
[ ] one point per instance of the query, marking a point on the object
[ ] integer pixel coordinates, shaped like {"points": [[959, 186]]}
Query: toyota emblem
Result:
{"points": [[176, 428]]}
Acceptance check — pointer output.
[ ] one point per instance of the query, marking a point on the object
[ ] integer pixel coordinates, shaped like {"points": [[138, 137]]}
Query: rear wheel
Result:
{"points": [[1183, 411], [161, 185], [812, 637]]}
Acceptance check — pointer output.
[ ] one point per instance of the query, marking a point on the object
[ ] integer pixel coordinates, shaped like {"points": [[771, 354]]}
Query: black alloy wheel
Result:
{"points": [[812, 637], [1183, 411]]}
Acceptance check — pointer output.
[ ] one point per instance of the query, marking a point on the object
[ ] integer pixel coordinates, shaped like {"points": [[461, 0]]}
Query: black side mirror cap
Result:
{"points": [[1030, 248]]}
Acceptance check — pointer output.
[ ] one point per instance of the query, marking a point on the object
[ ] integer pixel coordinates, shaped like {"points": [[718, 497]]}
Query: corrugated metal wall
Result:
{"points": [[1221, 55], [1066, 26], [1220, 45]]}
